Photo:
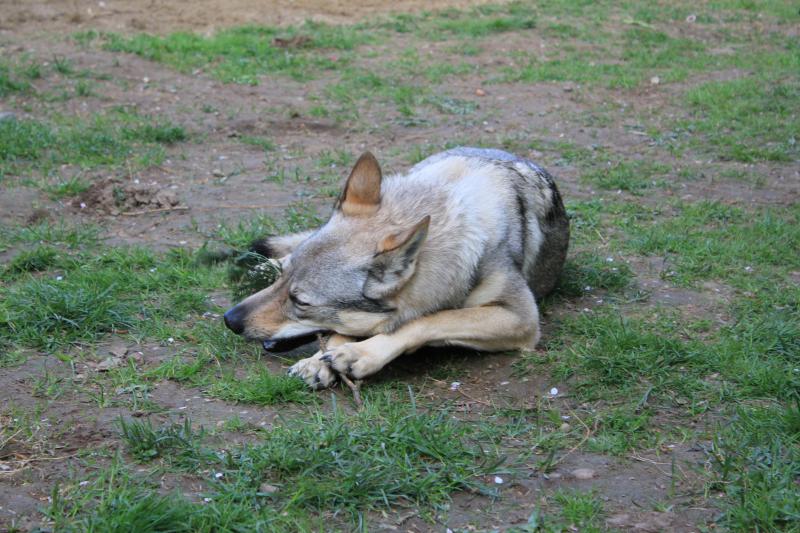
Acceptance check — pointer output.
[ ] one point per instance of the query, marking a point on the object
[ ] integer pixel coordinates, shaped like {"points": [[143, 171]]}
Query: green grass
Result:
{"points": [[487, 22], [386, 454], [390, 453], [92, 295], [14, 79], [48, 313], [631, 176], [710, 240], [615, 61], [586, 272], [581, 509], [60, 234], [242, 55], [260, 387], [28, 146], [747, 119], [177, 443], [756, 463], [116, 500]]}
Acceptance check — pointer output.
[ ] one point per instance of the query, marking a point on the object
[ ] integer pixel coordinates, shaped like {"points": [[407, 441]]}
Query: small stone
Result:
{"points": [[498, 480], [480, 92], [655, 80], [565, 427], [653, 521], [166, 198], [619, 520], [583, 473], [118, 349], [108, 363], [266, 488], [691, 18], [217, 173]]}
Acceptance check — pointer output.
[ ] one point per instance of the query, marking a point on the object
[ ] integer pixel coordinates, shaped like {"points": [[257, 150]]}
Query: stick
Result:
{"points": [[355, 386], [151, 211]]}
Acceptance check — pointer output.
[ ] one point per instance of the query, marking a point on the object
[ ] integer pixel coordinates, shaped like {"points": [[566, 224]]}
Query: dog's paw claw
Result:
{"points": [[314, 372]]}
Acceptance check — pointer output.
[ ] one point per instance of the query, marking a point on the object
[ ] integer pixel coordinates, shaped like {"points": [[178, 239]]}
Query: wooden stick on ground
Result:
{"points": [[151, 211], [354, 386]]}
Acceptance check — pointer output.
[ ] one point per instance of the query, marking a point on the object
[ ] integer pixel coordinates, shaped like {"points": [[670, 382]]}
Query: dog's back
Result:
{"points": [[493, 203]]}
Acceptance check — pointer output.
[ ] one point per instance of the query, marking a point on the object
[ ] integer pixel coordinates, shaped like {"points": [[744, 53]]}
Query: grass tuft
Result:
{"points": [[261, 387], [177, 443]]}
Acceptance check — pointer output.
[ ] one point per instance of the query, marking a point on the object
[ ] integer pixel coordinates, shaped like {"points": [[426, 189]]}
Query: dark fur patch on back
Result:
{"points": [[522, 212], [557, 210]]}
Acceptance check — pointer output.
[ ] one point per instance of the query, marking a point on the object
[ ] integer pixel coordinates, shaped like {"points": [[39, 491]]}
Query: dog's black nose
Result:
{"points": [[234, 319]]}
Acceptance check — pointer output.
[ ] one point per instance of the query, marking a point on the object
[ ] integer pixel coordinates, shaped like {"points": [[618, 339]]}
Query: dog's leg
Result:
{"points": [[491, 328], [315, 372], [279, 245]]}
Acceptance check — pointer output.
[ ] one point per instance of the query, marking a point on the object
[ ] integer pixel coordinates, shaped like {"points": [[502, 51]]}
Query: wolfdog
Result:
{"points": [[455, 252]]}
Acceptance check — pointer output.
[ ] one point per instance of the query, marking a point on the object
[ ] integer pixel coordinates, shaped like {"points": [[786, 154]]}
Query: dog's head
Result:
{"points": [[345, 277]]}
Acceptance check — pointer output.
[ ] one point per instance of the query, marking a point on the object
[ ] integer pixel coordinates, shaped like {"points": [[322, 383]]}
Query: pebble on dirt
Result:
{"points": [[583, 473]]}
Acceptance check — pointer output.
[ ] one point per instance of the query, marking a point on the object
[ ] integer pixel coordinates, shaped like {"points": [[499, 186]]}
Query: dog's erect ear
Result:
{"points": [[362, 192], [395, 261]]}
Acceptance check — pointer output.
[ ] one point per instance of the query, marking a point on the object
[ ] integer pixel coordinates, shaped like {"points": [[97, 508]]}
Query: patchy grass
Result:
{"points": [[710, 240], [756, 463], [177, 443], [631, 176], [261, 387], [390, 453], [746, 119], [108, 139], [636, 375], [117, 500], [587, 272], [91, 295], [242, 55], [16, 79]]}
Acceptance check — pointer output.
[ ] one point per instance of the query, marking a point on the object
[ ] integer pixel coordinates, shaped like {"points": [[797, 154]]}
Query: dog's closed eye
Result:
{"points": [[298, 301]]}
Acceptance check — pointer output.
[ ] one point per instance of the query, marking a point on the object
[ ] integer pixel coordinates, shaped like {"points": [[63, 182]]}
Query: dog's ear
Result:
{"points": [[362, 192], [395, 261]]}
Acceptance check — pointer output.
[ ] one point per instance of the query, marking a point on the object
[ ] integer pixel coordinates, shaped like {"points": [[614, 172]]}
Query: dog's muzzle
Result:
{"points": [[234, 319]]}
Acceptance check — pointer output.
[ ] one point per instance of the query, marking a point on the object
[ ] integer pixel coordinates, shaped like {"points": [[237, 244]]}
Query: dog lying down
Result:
{"points": [[455, 252]]}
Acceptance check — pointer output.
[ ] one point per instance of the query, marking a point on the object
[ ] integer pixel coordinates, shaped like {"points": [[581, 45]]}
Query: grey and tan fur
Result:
{"points": [[455, 252]]}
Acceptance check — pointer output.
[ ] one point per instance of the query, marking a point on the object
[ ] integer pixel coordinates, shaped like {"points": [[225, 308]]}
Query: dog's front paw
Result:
{"points": [[315, 372], [352, 360]]}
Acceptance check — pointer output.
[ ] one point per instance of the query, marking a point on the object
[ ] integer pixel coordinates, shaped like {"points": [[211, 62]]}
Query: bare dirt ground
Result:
{"points": [[216, 179], [200, 16]]}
